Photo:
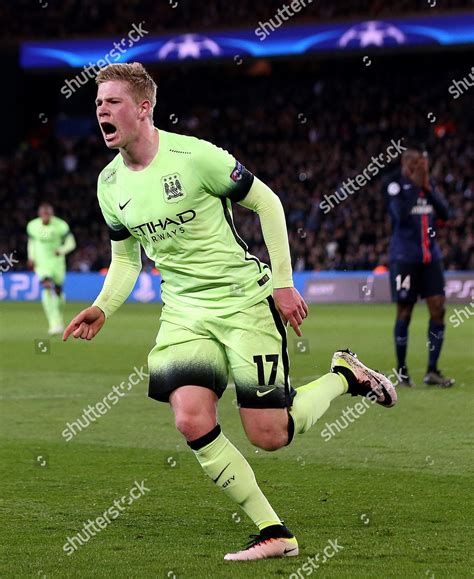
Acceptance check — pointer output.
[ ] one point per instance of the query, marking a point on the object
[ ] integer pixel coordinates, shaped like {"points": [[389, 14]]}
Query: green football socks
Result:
{"points": [[52, 306], [313, 399], [224, 464]]}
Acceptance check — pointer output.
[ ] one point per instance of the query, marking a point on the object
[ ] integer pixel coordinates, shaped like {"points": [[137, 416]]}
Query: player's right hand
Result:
{"points": [[291, 306], [30, 264], [86, 325]]}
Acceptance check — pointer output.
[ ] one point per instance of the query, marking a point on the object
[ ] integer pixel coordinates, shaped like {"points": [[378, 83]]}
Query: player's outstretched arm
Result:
{"points": [[119, 282], [267, 205]]}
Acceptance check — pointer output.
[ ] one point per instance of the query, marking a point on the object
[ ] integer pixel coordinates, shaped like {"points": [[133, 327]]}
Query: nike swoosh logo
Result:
{"points": [[288, 551], [220, 474], [260, 394], [121, 207]]}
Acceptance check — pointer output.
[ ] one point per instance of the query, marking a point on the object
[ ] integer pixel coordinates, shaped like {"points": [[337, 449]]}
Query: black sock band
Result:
{"points": [[276, 532], [291, 428], [348, 375], [206, 439]]}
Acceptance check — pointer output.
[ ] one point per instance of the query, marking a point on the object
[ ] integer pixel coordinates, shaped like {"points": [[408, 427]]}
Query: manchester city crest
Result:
{"points": [[173, 190]]}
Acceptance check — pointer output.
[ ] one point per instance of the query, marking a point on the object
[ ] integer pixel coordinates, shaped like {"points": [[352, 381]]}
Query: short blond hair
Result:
{"points": [[141, 84]]}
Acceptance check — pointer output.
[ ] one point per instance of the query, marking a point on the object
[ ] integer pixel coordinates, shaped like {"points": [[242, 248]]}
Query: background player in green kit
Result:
{"points": [[223, 309], [49, 241]]}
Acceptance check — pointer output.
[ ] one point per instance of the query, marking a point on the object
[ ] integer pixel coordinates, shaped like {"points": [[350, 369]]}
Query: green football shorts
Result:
{"points": [[53, 271], [251, 344]]}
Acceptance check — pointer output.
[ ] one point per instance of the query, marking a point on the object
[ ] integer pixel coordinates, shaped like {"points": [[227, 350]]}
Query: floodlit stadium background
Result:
{"points": [[304, 108]]}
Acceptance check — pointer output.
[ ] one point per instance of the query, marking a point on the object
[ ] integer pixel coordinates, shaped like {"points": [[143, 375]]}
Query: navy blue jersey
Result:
{"points": [[413, 212]]}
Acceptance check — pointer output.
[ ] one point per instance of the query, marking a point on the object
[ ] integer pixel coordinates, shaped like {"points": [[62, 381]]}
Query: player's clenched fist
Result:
{"points": [[291, 306], [86, 324]]}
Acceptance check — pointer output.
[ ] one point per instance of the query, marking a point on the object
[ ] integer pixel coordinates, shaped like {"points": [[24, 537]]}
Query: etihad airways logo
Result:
{"points": [[155, 230]]}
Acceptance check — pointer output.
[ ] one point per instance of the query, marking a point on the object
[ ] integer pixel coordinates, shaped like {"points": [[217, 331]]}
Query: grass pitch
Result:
{"points": [[394, 488]]}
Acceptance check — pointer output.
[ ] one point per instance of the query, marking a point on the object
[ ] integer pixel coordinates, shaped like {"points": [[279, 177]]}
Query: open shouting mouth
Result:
{"points": [[109, 131]]}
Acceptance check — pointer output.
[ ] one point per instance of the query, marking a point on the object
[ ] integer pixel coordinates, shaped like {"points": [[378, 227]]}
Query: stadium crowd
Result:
{"points": [[303, 130], [107, 17]]}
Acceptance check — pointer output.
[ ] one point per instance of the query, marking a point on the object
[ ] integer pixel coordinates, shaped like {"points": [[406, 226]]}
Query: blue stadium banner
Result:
{"points": [[268, 38], [25, 287], [316, 287]]}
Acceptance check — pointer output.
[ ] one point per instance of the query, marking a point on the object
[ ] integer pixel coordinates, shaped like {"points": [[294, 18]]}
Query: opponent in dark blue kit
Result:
{"points": [[416, 269]]}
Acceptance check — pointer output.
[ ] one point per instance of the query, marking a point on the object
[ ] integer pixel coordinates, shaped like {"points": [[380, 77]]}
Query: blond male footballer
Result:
{"points": [[222, 308]]}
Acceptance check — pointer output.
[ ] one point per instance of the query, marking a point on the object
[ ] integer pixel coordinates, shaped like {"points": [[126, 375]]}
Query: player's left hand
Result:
{"points": [[291, 306]]}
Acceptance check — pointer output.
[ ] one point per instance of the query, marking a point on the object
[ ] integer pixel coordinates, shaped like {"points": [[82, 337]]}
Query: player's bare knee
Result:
{"points": [[404, 312], [193, 426], [194, 410], [437, 309], [194, 423]]}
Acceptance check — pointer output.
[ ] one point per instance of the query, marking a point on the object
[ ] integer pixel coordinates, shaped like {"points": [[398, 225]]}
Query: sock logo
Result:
{"points": [[220, 474], [228, 481]]}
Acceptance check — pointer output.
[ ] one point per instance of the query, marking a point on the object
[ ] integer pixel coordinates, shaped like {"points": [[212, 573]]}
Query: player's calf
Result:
{"points": [[266, 428]]}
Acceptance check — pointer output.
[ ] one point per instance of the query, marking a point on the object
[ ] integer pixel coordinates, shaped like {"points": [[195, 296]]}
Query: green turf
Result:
{"points": [[393, 489]]}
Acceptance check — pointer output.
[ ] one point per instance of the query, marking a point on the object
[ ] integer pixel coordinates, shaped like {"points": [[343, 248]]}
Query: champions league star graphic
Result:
{"points": [[372, 33], [189, 46]]}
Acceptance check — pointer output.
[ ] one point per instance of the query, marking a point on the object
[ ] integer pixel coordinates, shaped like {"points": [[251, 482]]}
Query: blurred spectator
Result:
{"points": [[111, 18]]}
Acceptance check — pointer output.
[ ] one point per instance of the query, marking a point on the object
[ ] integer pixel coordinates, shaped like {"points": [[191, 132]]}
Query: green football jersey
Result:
{"points": [[179, 209], [45, 240]]}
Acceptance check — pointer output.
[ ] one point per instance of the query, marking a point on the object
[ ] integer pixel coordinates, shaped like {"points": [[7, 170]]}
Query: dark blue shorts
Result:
{"points": [[409, 281]]}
